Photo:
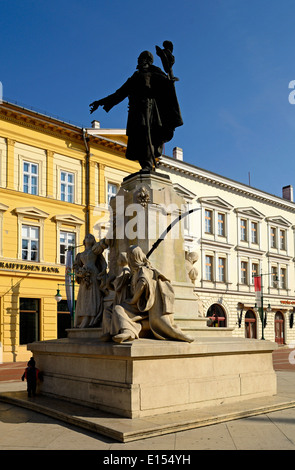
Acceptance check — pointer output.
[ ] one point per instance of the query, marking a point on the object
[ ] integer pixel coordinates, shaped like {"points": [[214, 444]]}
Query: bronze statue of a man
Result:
{"points": [[153, 111]]}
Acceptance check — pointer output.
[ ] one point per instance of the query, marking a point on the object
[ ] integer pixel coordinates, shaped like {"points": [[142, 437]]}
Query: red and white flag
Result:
{"points": [[257, 286]]}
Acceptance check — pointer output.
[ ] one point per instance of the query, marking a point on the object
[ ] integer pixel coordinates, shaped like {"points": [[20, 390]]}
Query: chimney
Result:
{"points": [[178, 153], [95, 124], [288, 193]]}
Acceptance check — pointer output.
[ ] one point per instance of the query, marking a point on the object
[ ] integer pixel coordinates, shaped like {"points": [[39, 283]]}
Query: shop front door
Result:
{"points": [[279, 328]]}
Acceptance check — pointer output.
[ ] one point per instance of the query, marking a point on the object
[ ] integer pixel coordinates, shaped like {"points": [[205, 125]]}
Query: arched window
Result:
{"points": [[250, 325], [216, 316]]}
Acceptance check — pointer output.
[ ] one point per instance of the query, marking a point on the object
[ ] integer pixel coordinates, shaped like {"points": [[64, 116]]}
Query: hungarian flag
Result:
{"points": [[257, 286]]}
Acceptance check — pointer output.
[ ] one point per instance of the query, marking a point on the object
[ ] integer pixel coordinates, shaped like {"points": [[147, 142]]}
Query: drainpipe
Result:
{"points": [[87, 196]]}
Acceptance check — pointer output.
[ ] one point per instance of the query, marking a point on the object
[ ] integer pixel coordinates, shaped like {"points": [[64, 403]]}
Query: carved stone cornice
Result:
{"points": [[213, 179]]}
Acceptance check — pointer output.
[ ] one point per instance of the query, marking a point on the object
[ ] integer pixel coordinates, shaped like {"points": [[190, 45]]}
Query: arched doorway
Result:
{"points": [[216, 316], [279, 328], [250, 325]]}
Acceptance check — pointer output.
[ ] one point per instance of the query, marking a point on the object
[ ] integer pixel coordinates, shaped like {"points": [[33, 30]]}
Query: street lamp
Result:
{"points": [[259, 288], [70, 281], [291, 318], [58, 296]]}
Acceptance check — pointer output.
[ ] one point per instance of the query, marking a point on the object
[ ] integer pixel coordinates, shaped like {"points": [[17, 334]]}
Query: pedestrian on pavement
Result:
{"points": [[31, 375]]}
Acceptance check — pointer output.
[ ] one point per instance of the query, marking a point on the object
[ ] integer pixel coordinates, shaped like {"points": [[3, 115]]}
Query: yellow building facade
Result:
{"points": [[55, 181]]}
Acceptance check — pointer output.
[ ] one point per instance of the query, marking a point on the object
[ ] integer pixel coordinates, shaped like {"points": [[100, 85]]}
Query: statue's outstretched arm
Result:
{"points": [[96, 104], [111, 100]]}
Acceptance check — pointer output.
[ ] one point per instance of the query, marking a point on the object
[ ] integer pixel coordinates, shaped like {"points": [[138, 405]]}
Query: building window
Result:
{"points": [[216, 316], [30, 178], [273, 242], [63, 319], [221, 269], [221, 225], [243, 230], [30, 243], [187, 221], [67, 186], [282, 239], [112, 191], [29, 321], [283, 278], [274, 277], [254, 236], [67, 240], [244, 272], [208, 267], [254, 271], [208, 221]]}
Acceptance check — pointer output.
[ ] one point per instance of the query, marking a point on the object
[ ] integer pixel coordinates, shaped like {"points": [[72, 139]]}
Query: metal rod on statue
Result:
{"points": [[73, 287], [175, 221]]}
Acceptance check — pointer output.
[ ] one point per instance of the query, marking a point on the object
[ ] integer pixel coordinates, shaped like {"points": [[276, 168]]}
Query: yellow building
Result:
{"points": [[55, 181]]}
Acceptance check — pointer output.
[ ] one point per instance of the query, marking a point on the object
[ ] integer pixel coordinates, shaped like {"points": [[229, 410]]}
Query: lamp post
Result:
{"points": [[259, 288], [71, 273], [70, 281], [241, 308], [291, 318], [58, 298]]}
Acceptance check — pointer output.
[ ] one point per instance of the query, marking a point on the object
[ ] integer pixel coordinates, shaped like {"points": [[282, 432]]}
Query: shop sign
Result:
{"points": [[29, 267]]}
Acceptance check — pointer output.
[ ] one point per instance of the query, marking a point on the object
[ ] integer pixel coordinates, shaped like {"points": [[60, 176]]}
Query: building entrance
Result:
{"points": [[279, 328], [250, 325], [216, 316]]}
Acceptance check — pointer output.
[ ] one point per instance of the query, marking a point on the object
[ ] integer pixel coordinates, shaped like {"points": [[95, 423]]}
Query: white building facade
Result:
{"points": [[238, 233]]}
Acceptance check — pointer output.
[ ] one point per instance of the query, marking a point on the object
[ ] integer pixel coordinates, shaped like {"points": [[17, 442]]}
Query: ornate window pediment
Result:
{"points": [[3, 207], [249, 212], [31, 212], [217, 202], [185, 193], [68, 219], [279, 220]]}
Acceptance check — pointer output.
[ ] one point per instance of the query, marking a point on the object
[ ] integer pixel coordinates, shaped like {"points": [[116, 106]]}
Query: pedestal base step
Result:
{"points": [[149, 377]]}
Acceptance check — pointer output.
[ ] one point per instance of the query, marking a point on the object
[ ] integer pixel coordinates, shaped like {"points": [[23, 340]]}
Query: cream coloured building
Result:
{"points": [[238, 233]]}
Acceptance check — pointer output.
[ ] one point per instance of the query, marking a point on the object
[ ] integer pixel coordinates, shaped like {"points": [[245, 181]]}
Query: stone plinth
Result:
{"points": [[144, 207], [196, 328], [149, 377]]}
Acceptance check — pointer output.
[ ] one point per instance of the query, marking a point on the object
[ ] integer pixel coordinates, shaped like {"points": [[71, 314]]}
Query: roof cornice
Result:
{"points": [[53, 126], [214, 179]]}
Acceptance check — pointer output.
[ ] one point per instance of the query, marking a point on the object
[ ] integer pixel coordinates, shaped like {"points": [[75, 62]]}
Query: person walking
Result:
{"points": [[31, 375]]}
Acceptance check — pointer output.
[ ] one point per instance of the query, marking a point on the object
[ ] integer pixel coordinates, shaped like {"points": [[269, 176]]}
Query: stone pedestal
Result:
{"points": [[142, 210], [150, 377]]}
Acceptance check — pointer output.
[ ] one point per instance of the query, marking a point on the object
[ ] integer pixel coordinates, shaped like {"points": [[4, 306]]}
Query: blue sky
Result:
{"points": [[234, 59]]}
